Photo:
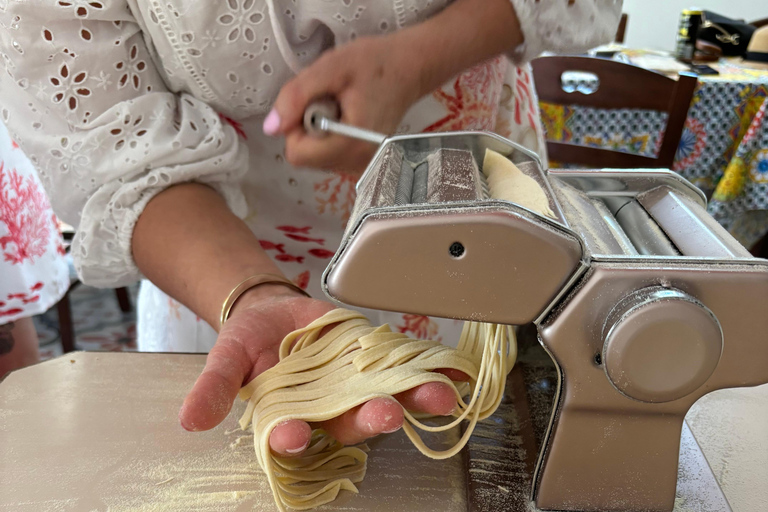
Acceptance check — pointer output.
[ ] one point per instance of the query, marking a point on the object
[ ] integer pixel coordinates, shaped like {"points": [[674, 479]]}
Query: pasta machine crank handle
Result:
{"points": [[322, 117]]}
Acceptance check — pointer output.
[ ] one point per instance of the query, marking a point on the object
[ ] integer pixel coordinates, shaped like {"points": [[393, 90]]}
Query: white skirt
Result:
{"points": [[34, 274]]}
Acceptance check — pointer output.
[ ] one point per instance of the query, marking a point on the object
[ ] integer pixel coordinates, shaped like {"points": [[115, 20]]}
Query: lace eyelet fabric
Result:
{"points": [[564, 26]]}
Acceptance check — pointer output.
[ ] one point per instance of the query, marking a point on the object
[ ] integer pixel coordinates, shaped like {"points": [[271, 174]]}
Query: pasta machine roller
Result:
{"points": [[642, 300]]}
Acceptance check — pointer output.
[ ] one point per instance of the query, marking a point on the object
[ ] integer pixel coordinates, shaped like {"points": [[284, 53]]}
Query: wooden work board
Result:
{"points": [[99, 432]]}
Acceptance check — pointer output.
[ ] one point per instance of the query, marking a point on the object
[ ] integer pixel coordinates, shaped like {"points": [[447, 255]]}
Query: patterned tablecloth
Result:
{"points": [[723, 149]]}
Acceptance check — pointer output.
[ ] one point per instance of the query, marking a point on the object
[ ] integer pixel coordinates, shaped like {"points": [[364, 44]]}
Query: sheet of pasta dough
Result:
{"points": [[508, 182]]}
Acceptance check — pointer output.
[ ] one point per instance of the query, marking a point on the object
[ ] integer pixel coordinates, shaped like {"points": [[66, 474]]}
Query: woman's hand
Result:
{"points": [[373, 79], [248, 344], [191, 245], [377, 79]]}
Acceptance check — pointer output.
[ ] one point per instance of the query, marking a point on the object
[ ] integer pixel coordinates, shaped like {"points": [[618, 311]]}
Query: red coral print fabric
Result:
{"points": [[420, 327], [302, 238], [58, 240], [302, 280], [21, 299], [269, 246], [289, 258], [321, 253], [295, 229], [24, 214], [33, 271], [336, 195], [525, 99], [236, 125], [302, 235], [472, 102]]}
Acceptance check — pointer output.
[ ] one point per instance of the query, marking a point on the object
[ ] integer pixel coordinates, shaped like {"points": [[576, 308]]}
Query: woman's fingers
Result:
{"points": [[290, 438], [453, 374], [226, 368], [334, 152], [212, 395], [321, 79], [377, 416], [436, 398], [383, 415]]}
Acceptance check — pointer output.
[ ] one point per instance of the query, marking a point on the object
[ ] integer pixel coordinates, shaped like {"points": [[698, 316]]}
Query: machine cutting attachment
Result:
{"points": [[642, 300]]}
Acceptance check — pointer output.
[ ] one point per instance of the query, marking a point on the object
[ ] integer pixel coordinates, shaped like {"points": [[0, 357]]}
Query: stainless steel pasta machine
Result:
{"points": [[642, 300]]}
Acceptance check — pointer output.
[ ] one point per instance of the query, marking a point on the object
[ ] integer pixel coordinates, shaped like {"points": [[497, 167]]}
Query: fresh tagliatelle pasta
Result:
{"points": [[319, 378]]}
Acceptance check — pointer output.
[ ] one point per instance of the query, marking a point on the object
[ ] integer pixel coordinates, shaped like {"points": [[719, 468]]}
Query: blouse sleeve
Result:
{"points": [[83, 100], [564, 25]]}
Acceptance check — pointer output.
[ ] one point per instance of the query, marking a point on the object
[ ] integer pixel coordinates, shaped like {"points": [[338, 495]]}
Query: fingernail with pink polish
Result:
{"points": [[271, 123]]}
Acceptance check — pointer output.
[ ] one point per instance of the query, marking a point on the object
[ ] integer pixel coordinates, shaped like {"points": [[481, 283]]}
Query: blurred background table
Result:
{"points": [[724, 144]]}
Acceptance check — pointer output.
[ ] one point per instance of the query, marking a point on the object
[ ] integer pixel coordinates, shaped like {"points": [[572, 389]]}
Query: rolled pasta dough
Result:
{"points": [[509, 183]]}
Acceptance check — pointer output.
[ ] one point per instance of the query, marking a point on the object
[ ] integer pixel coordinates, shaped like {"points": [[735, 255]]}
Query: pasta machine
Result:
{"points": [[642, 300]]}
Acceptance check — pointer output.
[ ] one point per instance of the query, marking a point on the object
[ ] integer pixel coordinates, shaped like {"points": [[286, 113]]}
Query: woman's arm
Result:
{"points": [[466, 33], [470, 31], [192, 247]]}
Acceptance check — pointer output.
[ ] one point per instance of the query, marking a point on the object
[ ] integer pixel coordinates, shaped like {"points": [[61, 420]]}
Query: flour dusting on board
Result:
{"points": [[226, 479]]}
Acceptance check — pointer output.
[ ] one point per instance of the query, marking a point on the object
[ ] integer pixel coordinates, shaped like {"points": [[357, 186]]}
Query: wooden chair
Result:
{"points": [[622, 31], [760, 249], [620, 86], [759, 23], [64, 309]]}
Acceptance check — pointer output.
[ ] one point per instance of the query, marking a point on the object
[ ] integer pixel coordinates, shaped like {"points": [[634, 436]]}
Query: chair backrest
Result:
{"points": [[622, 31], [620, 86]]}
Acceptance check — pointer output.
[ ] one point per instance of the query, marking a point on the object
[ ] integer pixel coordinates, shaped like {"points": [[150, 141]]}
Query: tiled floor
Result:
{"points": [[98, 323]]}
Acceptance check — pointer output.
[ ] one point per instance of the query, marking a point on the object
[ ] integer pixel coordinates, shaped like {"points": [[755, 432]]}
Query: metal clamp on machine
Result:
{"points": [[638, 295]]}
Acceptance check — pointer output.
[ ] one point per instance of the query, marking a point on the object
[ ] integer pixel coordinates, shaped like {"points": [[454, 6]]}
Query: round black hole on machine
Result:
{"points": [[456, 249], [598, 359]]}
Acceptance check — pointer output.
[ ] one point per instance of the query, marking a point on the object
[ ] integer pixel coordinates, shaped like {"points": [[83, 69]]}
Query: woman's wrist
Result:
{"points": [[262, 294], [195, 249], [253, 282]]}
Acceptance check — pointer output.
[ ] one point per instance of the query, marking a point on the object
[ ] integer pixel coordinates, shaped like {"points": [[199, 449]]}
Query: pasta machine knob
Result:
{"points": [[660, 344]]}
